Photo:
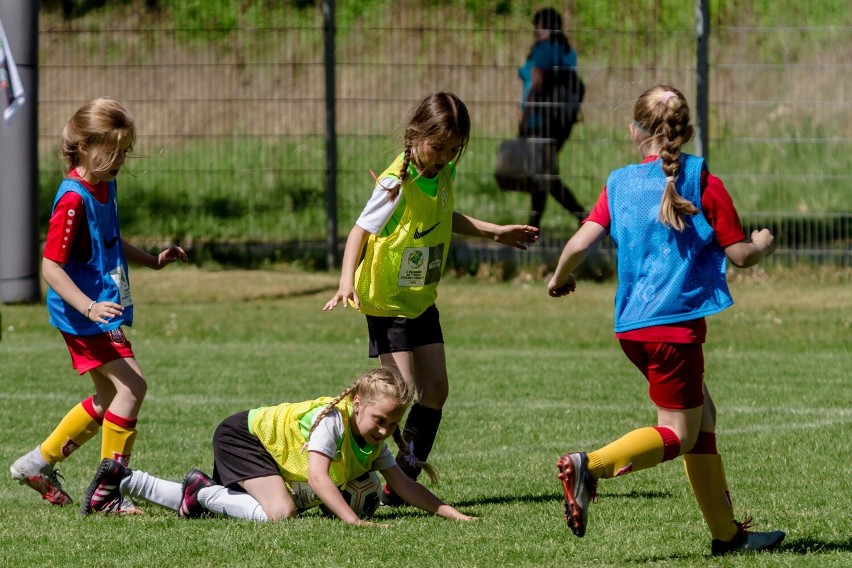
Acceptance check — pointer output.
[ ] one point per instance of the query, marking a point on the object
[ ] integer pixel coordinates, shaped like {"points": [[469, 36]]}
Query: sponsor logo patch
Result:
{"points": [[69, 447], [117, 336]]}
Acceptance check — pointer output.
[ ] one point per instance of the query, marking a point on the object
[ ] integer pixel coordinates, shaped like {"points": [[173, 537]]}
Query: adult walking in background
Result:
{"points": [[550, 106]]}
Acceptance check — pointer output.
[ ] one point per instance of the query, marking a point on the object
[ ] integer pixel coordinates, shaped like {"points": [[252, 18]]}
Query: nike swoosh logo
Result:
{"points": [[111, 242], [419, 235]]}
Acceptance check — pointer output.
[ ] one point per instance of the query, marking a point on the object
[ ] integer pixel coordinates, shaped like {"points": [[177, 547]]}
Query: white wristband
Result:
{"points": [[89, 309]]}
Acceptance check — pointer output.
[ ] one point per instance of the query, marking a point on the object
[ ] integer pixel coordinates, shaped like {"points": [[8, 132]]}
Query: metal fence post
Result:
{"points": [[702, 33], [331, 137]]}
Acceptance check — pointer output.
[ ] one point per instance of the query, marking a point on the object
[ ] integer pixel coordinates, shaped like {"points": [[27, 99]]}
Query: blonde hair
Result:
{"points": [[438, 115], [103, 123], [378, 384], [662, 116]]}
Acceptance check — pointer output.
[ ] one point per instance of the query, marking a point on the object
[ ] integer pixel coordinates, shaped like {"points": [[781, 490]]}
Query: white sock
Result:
{"points": [[30, 463], [231, 503], [160, 491]]}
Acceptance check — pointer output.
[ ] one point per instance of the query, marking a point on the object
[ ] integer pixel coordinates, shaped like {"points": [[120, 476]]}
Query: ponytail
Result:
{"points": [[674, 207], [662, 113]]}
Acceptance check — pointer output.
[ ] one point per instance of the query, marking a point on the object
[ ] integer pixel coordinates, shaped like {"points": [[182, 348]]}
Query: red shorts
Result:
{"points": [[91, 351], [675, 371]]}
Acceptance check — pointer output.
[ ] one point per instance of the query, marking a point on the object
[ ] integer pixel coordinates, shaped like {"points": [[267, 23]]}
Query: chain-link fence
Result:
{"points": [[232, 111]]}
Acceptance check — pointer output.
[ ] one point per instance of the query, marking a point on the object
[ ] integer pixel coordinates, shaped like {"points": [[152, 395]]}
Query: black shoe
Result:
{"points": [[389, 498], [104, 493], [190, 507]]}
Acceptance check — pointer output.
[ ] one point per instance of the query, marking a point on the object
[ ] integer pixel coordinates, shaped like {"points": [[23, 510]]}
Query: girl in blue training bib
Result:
{"points": [[85, 265], [674, 226]]}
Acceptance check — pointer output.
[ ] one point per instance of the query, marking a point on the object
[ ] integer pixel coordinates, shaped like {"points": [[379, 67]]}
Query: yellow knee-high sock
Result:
{"points": [[706, 476], [640, 449], [118, 437], [74, 430]]}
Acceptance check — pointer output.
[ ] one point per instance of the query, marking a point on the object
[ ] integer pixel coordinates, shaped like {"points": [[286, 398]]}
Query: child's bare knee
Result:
{"points": [[139, 388], [279, 511]]}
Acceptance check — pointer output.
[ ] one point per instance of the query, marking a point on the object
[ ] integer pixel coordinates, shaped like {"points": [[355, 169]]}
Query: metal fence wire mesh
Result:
{"points": [[231, 113]]}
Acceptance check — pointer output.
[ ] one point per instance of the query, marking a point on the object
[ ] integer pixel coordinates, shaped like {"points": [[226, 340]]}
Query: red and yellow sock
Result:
{"points": [[640, 449], [75, 429], [118, 437], [706, 476]]}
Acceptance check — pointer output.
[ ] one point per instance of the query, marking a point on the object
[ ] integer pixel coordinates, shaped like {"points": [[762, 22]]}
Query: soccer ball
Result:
{"points": [[303, 496], [362, 494]]}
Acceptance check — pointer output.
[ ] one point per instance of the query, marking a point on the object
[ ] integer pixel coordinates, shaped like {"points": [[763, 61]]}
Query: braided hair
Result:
{"points": [[661, 115], [375, 385], [438, 115]]}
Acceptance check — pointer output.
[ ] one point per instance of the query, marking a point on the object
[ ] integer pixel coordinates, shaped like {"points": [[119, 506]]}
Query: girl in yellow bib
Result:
{"points": [[274, 461], [395, 256]]}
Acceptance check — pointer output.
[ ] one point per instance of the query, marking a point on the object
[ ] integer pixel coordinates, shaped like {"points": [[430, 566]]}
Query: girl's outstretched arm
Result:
{"points": [[415, 494], [587, 237], [137, 256], [518, 236], [355, 243]]}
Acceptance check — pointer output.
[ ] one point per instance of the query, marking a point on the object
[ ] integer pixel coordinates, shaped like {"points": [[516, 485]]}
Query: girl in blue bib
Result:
{"points": [[85, 265], [674, 226]]}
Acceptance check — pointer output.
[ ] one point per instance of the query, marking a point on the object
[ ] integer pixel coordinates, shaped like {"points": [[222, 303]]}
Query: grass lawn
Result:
{"points": [[531, 378]]}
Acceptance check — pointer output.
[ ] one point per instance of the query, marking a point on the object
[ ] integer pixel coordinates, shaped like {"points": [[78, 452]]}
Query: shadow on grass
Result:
{"points": [[811, 545], [408, 511], [503, 499], [638, 495], [807, 545]]}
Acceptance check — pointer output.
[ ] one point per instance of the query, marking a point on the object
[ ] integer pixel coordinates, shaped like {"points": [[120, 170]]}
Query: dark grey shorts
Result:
{"points": [[390, 335], [238, 454]]}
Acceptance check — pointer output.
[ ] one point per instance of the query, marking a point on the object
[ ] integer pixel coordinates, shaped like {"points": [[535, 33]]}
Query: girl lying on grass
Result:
{"points": [[260, 454]]}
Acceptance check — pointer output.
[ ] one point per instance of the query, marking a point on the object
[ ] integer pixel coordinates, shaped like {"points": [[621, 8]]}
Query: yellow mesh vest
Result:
{"points": [[278, 429], [399, 274]]}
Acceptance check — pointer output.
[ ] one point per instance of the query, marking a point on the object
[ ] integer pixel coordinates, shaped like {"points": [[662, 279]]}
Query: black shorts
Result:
{"points": [[238, 454], [390, 335]]}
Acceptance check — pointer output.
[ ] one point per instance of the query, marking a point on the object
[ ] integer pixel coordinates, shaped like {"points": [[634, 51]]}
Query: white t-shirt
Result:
{"points": [[380, 207], [325, 436]]}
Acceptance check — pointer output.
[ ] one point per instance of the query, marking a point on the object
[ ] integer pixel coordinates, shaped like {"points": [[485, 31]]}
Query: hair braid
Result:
{"points": [[674, 206], [409, 457], [437, 117], [406, 160], [403, 171], [663, 112], [375, 384], [324, 412]]}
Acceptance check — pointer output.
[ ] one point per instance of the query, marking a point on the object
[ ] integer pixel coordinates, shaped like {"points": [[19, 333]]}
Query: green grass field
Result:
{"points": [[531, 378]]}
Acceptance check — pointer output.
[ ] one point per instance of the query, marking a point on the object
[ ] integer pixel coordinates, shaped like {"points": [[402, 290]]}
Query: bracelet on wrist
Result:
{"points": [[89, 309]]}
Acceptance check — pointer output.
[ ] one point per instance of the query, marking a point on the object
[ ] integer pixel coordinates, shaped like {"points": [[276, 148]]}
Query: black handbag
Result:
{"points": [[520, 164]]}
